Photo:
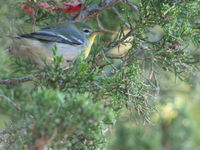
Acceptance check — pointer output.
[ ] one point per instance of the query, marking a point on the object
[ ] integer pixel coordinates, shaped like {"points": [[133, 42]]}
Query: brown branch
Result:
{"points": [[115, 57], [122, 19], [102, 28], [19, 80], [42, 141], [93, 10], [55, 131]]}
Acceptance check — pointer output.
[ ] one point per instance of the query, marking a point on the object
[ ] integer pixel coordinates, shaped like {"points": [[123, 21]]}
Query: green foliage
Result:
{"points": [[73, 107], [75, 120]]}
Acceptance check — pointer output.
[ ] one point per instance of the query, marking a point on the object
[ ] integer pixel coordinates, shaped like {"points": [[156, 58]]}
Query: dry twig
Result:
{"points": [[102, 28]]}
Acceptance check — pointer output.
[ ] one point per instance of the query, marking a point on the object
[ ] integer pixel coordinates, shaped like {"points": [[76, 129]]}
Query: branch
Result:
{"points": [[122, 19], [40, 144], [115, 57], [19, 80], [93, 10], [102, 28], [132, 6], [166, 12]]}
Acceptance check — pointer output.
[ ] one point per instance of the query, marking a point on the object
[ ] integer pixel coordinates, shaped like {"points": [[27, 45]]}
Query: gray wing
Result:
{"points": [[57, 34]]}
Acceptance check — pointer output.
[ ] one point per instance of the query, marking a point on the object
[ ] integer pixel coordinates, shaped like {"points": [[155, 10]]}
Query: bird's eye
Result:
{"points": [[87, 31]]}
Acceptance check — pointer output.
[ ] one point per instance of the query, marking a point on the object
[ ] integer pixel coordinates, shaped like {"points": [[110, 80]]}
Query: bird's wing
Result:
{"points": [[57, 34]]}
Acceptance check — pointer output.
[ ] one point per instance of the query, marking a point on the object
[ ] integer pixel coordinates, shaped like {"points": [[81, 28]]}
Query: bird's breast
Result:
{"points": [[69, 52]]}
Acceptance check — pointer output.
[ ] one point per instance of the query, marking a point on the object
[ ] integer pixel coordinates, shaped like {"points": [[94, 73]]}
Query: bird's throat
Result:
{"points": [[90, 45]]}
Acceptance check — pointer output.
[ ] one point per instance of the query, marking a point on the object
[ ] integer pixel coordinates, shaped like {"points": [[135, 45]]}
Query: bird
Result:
{"points": [[70, 39]]}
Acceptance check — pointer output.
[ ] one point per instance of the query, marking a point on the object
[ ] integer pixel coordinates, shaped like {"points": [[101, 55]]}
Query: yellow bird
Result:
{"points": [[70, 38]]}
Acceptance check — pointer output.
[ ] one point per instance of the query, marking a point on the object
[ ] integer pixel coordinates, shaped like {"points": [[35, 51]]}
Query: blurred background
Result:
{"points": [[175, 125]]}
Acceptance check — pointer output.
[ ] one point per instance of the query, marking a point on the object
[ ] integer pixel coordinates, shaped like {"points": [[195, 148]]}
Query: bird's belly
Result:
{"points": [[69, 52]]}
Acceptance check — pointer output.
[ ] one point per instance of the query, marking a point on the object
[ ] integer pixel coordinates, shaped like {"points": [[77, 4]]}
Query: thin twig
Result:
{"points": [[10, 101], [132, 6], [119, 16], [166, 12], [102, 28]]}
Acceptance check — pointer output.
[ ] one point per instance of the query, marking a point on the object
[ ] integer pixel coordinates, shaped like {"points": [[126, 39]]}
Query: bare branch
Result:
{"points": [[119, 16], [102, 28], [19, 80], [132, 6]]}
